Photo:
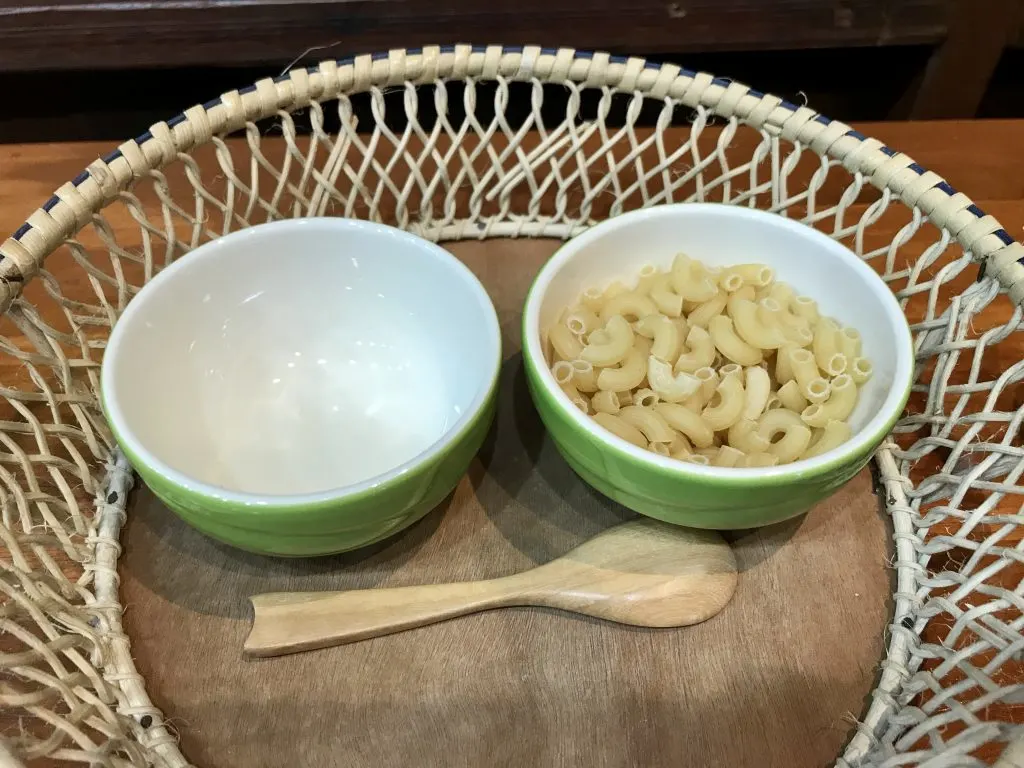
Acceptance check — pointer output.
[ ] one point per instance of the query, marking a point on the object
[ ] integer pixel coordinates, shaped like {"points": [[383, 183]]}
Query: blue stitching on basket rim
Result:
{"points": [[724, 82]]}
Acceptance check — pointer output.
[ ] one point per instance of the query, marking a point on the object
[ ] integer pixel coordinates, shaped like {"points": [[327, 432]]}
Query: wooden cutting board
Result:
{"points": [[775, 680]]}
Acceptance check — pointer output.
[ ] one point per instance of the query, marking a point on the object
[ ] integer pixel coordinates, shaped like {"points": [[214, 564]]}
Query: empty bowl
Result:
{"points": [[719, 235], [304, 387]]}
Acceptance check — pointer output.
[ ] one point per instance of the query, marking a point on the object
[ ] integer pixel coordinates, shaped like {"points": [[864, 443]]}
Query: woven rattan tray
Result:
{"points": [[433, 141]]}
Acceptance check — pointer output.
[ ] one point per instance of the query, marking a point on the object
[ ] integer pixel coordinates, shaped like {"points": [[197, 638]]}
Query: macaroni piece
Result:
{"points": [[671, 387], [630, 304], [584, 376], [605, 401], [649, 422], [688, 422], [838, 406], [564, 342], [751, 327], [702, 313], [743, 436], [700, 352], [722, 367], [668, 302], [834, 434], [627, 376], [618, 427], [795, 434], [730, 345], [614, 350], [757, 386], [582, 321], [729, 408]]}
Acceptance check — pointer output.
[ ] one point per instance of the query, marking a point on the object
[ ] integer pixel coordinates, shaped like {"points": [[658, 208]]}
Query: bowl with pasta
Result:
{"points": [[306, 386], [712, 365]]}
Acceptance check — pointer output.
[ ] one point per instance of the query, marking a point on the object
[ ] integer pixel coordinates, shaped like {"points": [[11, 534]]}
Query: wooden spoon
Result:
{"points": [[643, 572]]}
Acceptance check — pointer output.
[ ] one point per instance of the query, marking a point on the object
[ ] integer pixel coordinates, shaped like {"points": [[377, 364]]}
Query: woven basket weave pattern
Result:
{"points": [[949, 472]]}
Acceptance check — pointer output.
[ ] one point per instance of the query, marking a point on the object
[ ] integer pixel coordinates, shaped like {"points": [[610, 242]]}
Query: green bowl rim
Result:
{"points": [[746, 477], [270, 503]]}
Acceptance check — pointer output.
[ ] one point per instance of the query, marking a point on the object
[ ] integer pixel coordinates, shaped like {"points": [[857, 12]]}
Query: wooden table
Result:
{"points": [[195, 677]]}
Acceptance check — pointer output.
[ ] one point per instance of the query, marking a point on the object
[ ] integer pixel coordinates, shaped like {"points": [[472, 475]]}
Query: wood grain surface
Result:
{"points": [[773, 680]]}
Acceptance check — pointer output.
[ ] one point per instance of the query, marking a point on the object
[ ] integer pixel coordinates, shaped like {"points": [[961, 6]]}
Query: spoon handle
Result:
{"points": [[289, 622]]}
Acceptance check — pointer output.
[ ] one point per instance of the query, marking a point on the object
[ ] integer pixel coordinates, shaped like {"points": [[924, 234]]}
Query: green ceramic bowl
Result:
{"points": [[304, 387], [815, 264]]}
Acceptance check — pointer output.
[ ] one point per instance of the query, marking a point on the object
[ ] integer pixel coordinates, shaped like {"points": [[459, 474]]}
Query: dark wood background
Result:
{"points": [[92, 69]]}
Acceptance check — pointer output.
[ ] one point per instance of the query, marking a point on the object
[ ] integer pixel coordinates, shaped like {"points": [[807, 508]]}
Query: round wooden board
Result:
{"points": [[776, 679]]}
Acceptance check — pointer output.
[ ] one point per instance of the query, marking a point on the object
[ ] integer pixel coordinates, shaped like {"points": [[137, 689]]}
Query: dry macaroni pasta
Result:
{"points": [[723, 367]]}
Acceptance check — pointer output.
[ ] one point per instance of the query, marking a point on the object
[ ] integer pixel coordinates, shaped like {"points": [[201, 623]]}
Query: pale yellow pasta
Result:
{"points": [[818, 390], [592, 299], [804, 307], [826, 342], [709, 379], [757, 388], [701, 315], [719, 366], [619, 428], [667, 343], [617, 288], [670, 387], [613, 350], [726, 456], [849, 341], [562, 371], [750, 327], [690, 280], [744, 437], [832, 435], [646, 398], [861, 370], [783, 366], [627, 376], [648, 274], [756, 460], [688, 422], [700, 351], [836, 364], [796, 436], [730, 369], [582, 321], [729, 406], [805, 370], [649, 422], [757, 275], [724, 337], [791, 396], [630, 305], [679, 445], [605, 401], [642, 345], [584, 376], [564, 342], [665, 299], [838, 406], [783, 294]]}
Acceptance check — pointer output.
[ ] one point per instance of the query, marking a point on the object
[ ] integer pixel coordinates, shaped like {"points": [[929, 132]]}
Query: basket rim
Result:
{"points": [[70, 206]]}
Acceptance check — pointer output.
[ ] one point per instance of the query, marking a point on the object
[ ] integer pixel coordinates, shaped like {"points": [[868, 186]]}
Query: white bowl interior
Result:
{"points": [[814, 264], [301, 357]]}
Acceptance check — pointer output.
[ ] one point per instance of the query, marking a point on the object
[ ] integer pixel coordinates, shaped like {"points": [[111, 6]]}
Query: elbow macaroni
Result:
{"points": [[722, 367]]}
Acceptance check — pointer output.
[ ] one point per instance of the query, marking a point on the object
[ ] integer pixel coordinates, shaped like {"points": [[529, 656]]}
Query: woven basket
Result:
{"points": [[424, 140]]}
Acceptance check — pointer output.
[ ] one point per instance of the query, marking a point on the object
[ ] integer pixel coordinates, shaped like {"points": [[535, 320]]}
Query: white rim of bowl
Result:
{"points": [[112, 409], [858, 441]]}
